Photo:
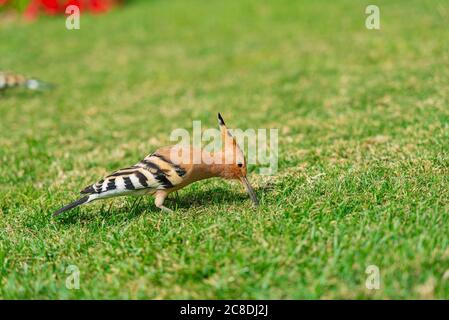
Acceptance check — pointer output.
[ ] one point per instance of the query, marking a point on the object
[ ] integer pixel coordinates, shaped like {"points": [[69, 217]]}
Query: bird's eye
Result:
{"points": [[240, 165]]}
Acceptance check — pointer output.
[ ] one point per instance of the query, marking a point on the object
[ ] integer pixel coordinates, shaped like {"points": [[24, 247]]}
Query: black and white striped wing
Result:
{"points": [[152, 173]]}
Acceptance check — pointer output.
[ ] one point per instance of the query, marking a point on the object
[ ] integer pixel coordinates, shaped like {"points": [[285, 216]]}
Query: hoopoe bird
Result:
{"points": [[10, 80], [161, 172]]}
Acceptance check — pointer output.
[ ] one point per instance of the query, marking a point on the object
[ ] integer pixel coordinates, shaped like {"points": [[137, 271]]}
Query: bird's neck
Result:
{"points": [[211, 165]]}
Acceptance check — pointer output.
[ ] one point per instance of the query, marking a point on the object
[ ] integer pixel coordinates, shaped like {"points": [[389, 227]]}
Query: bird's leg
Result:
{"points": [[159, 200]]}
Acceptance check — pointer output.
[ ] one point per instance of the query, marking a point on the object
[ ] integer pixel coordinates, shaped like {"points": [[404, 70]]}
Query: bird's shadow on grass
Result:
{"points": [[190, 199], [205, 198], [20, 93]]}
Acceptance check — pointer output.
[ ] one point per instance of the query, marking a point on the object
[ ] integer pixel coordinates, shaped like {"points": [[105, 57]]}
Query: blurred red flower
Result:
{"points": [[53, 7]]}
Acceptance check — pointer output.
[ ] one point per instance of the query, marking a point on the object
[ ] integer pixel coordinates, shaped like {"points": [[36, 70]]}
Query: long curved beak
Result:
{"points": [[250, 190]]}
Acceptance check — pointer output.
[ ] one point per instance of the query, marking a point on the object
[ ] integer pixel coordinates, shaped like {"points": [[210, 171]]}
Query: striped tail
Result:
{"points": [[72, 205], [34, 84]]}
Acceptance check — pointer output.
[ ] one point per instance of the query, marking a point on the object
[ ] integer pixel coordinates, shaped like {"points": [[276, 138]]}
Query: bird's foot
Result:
{"points": [[165, 209]]}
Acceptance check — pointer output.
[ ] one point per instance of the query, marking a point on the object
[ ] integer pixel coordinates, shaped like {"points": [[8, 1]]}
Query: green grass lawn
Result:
{"points": [[363, 119]]}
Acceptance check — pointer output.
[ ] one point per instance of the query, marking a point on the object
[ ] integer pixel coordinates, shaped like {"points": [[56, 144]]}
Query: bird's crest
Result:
{"points": [[229, 145]]}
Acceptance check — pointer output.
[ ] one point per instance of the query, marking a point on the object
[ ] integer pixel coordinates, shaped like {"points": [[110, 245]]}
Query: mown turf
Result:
{"points": [[363, 150]]}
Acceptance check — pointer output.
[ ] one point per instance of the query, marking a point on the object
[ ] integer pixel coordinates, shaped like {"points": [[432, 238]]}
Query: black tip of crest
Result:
{"points": [[220, 120]]}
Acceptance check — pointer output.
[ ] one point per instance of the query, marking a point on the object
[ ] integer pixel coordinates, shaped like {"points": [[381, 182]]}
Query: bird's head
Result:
{"points": [[234, 166]]}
